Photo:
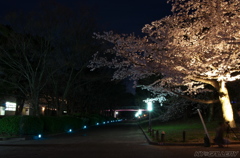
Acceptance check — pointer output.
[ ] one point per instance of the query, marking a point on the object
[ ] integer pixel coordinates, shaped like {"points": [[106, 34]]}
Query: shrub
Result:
{"points": [[20, 125], [30, 125], [53, 124], [93, 121], [10, 125], [95, 118]]}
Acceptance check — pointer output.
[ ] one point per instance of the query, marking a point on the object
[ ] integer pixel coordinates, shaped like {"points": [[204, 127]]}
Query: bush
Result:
{"points": [[95, 118], [53, 124], [30, 125], [20, 125], [93, 121], [10, 125], [72, 122]]}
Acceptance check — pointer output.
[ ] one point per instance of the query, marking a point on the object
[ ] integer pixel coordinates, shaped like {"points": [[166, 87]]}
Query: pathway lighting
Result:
{"points": [[150, 109]]}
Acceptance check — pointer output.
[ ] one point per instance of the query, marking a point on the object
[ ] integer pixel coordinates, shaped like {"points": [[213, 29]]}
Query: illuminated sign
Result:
{"points": [[10, 106]]}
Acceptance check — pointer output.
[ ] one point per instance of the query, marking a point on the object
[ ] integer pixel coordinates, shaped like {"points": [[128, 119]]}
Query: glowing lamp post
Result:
{"points": [[149, 108]]}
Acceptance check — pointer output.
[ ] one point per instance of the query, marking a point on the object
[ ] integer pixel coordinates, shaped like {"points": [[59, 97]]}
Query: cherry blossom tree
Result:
{"points": [[196, 46]]}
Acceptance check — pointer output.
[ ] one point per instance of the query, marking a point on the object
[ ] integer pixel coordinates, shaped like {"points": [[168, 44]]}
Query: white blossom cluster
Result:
{"points": [[195, 46]]}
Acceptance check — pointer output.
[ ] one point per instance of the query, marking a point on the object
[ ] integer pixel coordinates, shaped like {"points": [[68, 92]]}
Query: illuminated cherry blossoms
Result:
{"points": [[196, 46]]}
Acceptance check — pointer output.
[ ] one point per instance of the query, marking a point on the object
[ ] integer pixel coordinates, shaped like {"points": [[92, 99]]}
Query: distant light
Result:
{"points": [[103, 122], [39, 136], [70, 130], [140, 112], [137, 114], [97, 124], [84, 127], [43, 109]]}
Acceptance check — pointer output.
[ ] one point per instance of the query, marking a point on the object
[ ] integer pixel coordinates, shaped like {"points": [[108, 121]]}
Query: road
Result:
{"points": [[117, 140]]}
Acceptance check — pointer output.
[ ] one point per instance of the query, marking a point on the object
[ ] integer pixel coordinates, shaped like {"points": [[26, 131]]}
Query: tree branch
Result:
{"points": [[213, 83], [197, 100]]}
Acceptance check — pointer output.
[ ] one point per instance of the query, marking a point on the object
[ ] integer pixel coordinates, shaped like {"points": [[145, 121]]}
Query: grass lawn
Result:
{"points": [[193, 128]]}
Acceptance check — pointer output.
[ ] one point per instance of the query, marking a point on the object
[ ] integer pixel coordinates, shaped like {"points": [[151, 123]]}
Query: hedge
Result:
{"points": [[30, 125], [10, 125], [54, 124]]}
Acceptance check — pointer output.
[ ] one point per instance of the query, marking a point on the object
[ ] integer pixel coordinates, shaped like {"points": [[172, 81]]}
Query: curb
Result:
{"points": [[12, 139]]}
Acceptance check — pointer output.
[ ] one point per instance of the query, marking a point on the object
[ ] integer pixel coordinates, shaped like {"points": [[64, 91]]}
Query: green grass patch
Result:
{"points": [[193, 128]]}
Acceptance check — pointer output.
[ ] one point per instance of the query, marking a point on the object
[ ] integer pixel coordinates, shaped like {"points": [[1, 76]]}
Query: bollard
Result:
{"points": [[162, 136], [184, 136]]}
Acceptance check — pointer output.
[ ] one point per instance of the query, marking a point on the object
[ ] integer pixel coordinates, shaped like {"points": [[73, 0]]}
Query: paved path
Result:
{"points": [[118, 140]]}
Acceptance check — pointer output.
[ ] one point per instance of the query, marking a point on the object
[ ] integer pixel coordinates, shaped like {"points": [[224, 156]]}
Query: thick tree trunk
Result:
{"points": [[35, 103], [35, 107], [20, 105], [226, 105]]}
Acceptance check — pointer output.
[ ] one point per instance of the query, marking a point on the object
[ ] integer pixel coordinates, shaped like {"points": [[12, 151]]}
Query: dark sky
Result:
{"points": [[122, 16]]}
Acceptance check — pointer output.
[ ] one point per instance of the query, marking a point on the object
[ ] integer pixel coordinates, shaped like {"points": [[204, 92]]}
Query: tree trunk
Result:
{"points": [[20, 104], [35, 107], [35, 103], [226, 105]]}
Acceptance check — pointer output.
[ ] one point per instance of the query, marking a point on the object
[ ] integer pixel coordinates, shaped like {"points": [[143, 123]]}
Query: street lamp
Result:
{"points": [[149, 108]]}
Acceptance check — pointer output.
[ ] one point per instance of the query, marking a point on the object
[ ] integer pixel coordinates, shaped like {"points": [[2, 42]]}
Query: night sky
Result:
{"points": [[121, 16]]}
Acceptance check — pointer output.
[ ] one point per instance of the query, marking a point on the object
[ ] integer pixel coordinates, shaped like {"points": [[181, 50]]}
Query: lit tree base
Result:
{"points": [[226, 105]]}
